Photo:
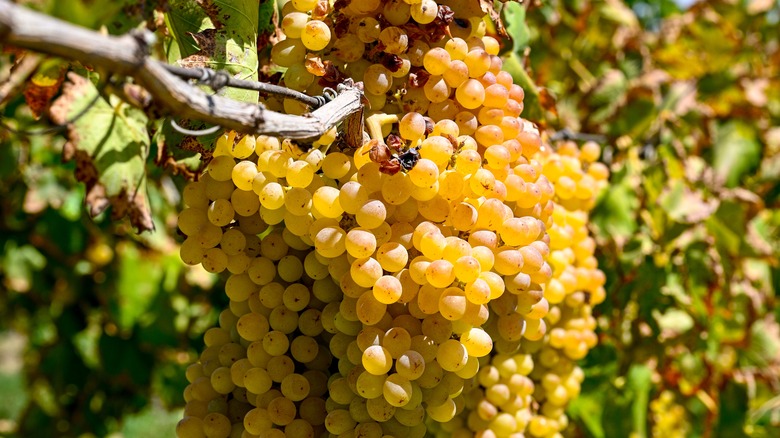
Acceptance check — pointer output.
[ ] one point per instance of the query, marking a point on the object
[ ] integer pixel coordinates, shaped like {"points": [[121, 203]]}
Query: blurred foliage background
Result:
{"points": [[97, 323], [689, 104]]}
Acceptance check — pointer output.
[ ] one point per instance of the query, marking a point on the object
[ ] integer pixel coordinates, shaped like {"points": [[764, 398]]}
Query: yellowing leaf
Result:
{"points": [[44, 85], [110, 144]]}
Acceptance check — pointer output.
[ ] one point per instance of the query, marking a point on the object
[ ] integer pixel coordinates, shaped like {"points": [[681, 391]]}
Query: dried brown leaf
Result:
{"points": [[315, 65], [213, 11], [206, 41], [42, 88], [755, 91], [487, 7], [418, 78], [321, 10], [96, 142]]}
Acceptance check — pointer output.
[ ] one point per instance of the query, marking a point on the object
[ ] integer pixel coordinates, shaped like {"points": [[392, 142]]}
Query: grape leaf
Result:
{"points": [[266, 24], [615, 215], [736, 151], [87, 13], [533, 110], [640, 382], [685, 205], [133, 13], [123, 359], [110, 144], [517, 28], [674, 322], [19, 264], [221, 35], [44, 85], [588, 409], [134, 293], [218, 34], [183, 19], [733, 409], [619, 13]]}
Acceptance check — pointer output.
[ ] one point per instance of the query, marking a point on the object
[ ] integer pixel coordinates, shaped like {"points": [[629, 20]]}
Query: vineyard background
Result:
{"points": [[97, 323]]}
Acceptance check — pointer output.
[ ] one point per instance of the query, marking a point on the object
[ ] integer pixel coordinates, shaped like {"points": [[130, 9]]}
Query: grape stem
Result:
{"points": [[128, 55], [375, 122]]}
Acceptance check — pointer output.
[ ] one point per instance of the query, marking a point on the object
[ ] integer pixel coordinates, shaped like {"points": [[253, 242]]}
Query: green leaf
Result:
{"points": [[184, 18], [170, 141], [639, 381], [157, 322], [618, 405], [736, 151], [674, 320], [764, 232], [770, 165], [611, 88], [636, 118], [619, 13], [65, 367], [135, 293], [733, 411], [110, 144], [118, 16], [514, 19], [685, 205], [765, 345], [133, 13], [12, 379], [86, 343], [588, 409], [615, 214], [219, 34], [727, 226], [9, 159], [265, 17], [122, 358], [19, 264], [87, 13], [532, 104], [152, 421]]}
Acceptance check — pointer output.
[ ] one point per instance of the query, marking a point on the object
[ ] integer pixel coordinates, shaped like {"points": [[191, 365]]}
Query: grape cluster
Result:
{"points": [[577, 284], [668, 416], [405, 287]]}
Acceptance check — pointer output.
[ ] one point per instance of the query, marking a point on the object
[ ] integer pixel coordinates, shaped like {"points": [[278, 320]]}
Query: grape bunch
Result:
{"points": [[406, 287], [577, 285], [668, 416]]}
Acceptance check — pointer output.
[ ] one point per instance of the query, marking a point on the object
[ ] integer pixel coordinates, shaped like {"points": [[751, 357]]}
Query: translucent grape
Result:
{"points": [[315, 35], [392, 256], [360, 243], [424, 12], [412, 126], [387, 289], [470, 94], [397, 390], [294, 23], [377, 360], [436, 61], [377, 79], [394, 40], [288, 52]]}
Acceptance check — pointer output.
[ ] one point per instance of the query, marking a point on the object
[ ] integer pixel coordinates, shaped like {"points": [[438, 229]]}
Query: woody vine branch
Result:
{"points": [[127, 55]]}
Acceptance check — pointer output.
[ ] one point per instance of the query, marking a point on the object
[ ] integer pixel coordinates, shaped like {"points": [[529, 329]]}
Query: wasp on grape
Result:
{"points": [[392, 162]]}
